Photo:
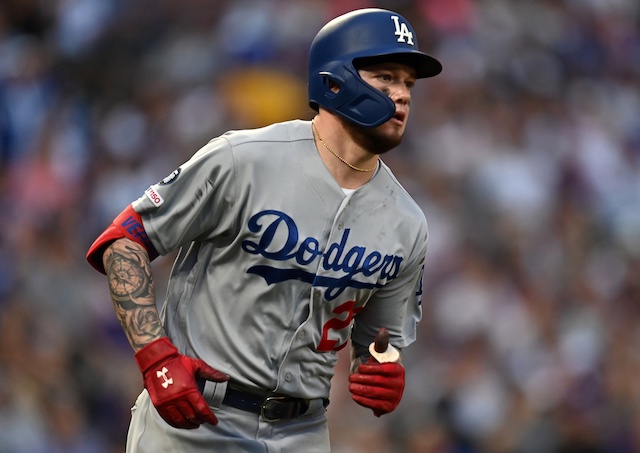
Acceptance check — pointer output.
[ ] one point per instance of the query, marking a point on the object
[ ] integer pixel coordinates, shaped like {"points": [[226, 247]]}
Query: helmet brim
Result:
{"points": [[425, 65]]}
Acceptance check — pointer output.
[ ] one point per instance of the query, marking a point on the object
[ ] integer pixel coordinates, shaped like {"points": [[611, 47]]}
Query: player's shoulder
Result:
{"points": [[277, 133], [244, 141], [403, 201]]}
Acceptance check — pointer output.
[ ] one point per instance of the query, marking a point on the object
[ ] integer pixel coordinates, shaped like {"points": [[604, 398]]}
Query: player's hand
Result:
{"points": [[378, 386], [170, 379]]}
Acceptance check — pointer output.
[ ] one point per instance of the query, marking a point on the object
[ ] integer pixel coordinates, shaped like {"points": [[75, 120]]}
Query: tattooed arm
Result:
{"points": [[181, 405], [132, 291]]}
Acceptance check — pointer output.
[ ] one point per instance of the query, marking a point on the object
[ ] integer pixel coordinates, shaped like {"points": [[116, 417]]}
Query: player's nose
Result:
{"points": [[400, 94]]}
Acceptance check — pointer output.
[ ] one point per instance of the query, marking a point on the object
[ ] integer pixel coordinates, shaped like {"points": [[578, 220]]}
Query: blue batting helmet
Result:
{"points": [[351, 41]]}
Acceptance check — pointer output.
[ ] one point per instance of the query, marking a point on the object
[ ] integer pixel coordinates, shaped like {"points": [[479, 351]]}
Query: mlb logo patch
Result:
{"points": [[154, 196]]}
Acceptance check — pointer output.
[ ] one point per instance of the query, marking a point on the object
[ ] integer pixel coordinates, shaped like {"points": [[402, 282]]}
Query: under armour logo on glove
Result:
{"points": [[163, 374], [176, 395]]}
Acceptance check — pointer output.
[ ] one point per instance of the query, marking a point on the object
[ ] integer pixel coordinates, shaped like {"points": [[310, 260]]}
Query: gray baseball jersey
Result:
{"points": [[277, 267]]}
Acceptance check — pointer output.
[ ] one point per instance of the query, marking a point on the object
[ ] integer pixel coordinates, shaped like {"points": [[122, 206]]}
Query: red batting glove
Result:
{"points": [[378, 386], [169, 377]]}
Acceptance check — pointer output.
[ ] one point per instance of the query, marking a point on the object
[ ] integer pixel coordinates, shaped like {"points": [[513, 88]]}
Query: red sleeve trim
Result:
{"points": [[128, 224]]}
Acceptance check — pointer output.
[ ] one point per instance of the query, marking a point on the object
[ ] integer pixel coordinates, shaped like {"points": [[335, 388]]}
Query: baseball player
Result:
{"points": [[294, 240]]}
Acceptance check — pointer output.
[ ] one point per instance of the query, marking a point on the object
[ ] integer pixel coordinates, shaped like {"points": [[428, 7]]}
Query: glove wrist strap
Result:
{"points": [[154, 352]]}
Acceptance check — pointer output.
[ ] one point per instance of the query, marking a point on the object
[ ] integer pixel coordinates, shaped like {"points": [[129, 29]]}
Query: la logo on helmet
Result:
{"points": [[402, 31]]}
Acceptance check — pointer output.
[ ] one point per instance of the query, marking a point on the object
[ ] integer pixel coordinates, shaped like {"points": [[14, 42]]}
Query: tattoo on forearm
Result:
{"points": [[132, 291]]}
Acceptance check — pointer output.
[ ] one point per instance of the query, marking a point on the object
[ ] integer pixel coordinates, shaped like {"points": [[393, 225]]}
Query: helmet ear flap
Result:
{"points": [[363, 104], [332, 82], [328, 87], [346, 93]]}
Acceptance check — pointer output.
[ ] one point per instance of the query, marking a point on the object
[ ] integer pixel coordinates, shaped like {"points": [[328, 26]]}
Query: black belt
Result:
{"points": [[271, 407]]}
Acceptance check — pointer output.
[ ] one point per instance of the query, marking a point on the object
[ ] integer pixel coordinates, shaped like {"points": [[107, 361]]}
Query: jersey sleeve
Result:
{"points": [[397, 306], [196, 202]]}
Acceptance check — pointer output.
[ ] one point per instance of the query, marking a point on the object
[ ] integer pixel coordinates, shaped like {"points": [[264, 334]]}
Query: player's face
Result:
{"points": [[396, 81]]}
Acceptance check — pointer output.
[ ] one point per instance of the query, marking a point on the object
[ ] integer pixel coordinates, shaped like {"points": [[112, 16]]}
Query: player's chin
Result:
{"points": [[391, 133], [377, 140], [394, 127], [384, 144]]}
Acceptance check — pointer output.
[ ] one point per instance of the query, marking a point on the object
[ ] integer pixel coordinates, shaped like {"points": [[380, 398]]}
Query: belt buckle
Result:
{"points": [[263, 408]]}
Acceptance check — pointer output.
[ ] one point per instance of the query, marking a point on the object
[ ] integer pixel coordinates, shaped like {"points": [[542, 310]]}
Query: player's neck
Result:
{"points": [[350, 165]]}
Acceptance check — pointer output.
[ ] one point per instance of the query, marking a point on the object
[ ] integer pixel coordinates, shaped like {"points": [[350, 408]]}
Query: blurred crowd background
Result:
{"points": [[524, 154]]}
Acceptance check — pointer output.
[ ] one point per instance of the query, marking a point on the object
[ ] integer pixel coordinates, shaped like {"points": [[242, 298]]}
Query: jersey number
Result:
{"points": [[326, 344]]}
